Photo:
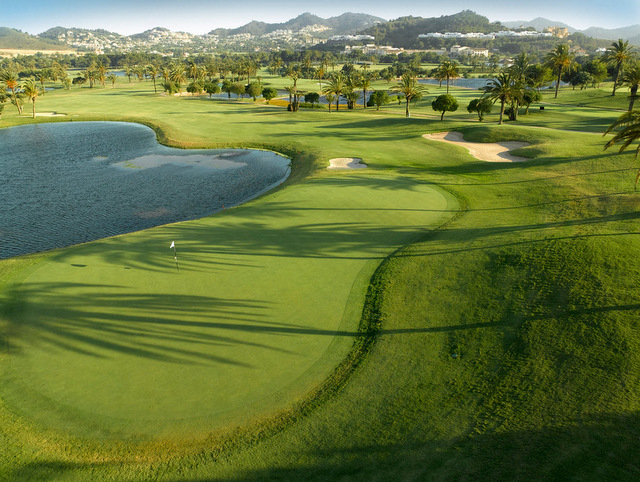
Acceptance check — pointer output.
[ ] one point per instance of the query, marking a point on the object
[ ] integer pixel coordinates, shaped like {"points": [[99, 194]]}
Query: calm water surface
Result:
{"points": [[68, 183]]}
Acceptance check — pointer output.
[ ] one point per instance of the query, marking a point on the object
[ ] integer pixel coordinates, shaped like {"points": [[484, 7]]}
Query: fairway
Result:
{"points": [[110, 339], [430, 317]]}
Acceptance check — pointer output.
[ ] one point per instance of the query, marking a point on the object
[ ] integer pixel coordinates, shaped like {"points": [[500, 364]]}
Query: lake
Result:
{"points": [[73, 182]]}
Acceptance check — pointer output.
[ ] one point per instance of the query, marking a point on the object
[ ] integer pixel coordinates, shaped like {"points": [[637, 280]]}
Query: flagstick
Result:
{"points": [[175, 254], [176, 258]]}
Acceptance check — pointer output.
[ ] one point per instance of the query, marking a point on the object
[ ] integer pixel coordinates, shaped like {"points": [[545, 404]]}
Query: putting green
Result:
{"points": [[109, 339]]}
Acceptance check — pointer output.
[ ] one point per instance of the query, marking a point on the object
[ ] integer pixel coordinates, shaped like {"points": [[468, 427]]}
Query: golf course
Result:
{"points": [[433, 316]]}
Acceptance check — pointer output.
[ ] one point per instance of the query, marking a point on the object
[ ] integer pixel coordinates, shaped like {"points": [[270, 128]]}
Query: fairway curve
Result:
{"points": [[110, 340]]}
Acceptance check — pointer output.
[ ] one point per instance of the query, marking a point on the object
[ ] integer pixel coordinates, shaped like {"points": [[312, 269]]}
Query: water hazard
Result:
{"points": [[68, 183]]}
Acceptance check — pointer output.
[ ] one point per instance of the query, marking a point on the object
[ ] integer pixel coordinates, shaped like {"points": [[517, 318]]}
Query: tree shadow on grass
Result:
{"points": [[589, 447], [104, 320]]}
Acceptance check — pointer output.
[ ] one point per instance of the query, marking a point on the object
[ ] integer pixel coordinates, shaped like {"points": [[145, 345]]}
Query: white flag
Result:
{"points": [[173, 244]]}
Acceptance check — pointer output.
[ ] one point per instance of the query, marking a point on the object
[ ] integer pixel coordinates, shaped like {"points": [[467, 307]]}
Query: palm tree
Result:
{"points": [[520, 69], [329, 98], [153, 71], [336, 86], [177, 75], [364, 83], [631, 78], [10, 81], [32, 91], [411, 89], [560, 59], [618, 54], [102, 72], [448, 70], [42, 76], [630, 132], [500, 88], [112, 78]]}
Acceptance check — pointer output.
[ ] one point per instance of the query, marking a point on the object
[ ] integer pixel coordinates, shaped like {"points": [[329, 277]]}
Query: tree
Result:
{"points": [[42, 76], [582, 79], [227, 87], [631, 78], [178, 77], [364, 83], [481, 106], [31, 90], [560, 59], [152, 71], [336, 86], [312, 97], [3, 99], [630, 132], [195, 87], [101, 73], [597, 69], [499, 89], [379, 98], [112, 78], [10, 81], [529, 97], [447, 70], [269, 93], [211, 88], [539, 75], [253, 90], [170, 87], [617, 55], [410, 89], [238, 89], [444, 103], [329, 98]]}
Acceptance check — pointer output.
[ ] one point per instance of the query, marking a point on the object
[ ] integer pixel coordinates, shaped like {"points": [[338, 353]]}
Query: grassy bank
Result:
{"points": [[504, 346]]}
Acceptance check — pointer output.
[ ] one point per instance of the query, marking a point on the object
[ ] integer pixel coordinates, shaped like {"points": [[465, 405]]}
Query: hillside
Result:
{"points": [[56, 33], [627, 33], [347, 23], [15, 39], [539, 24], [404, 31]]}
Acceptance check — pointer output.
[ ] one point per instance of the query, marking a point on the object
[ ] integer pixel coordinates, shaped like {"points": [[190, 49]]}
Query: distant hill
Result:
{"points": [[539, 24], [626, 33], [404, 31], [631, 33], [56, 33], [347, 23], [15, 39]]}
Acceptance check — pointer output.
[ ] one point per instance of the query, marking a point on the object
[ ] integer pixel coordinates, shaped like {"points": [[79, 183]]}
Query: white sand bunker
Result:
{"points": [[44, 114], [346, 163], [489, 151]]}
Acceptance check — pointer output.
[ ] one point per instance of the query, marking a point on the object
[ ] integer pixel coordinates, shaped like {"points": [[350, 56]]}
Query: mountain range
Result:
{"points": [[347, 23], [305, 24], [630, 33]]}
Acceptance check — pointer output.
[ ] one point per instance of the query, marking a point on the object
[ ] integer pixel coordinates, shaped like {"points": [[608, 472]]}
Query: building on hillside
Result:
{"points": [[457, 50], [559, 32]]}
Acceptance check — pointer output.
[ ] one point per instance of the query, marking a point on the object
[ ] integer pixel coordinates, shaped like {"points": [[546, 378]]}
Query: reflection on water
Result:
{"points": [[68, 183], [200, 160]]}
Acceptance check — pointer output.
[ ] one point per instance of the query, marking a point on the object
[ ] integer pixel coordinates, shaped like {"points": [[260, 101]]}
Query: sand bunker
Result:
{"points": [[490, 152], [346, 163], [44, 114]]}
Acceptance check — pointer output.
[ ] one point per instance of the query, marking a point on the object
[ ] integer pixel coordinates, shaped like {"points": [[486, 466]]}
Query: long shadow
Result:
{"points": [[150, 326], [101, 320], [479, 167], [592, 447]]}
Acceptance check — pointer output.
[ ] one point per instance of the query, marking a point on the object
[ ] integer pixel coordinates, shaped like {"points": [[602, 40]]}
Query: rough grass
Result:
{"points": [[505, 344]]}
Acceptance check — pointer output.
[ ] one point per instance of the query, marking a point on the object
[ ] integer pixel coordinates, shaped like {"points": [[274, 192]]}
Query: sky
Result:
{"points": [[200, 16]]}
